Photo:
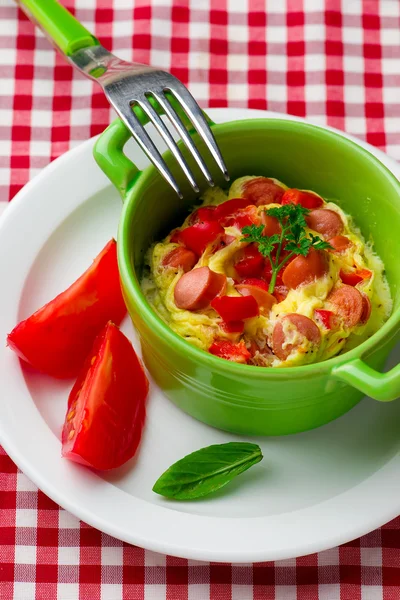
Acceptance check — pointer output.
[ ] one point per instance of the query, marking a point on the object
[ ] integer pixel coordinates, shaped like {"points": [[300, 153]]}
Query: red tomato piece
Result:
{"points": [[281, 292], [246, 217], [180, 258], [199, 236], [224, 241], [267, 273], [235, 308], [327, 317], [225, 211], [305, 269], [175, 237], [203, 214], [354, 277], [340, 243], [306, 199], [107, 405], [264, 299], [255, 281], [233, 326], [250, 263], [262, 190], [230, 351], [57, 338]]}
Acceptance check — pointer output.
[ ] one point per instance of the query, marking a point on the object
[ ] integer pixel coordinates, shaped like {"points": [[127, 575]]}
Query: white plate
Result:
{"points": [[311, 492]]}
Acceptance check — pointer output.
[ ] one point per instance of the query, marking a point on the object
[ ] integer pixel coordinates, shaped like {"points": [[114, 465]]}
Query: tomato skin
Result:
{"points": [[198, 236], [107, 405], [326, 317], [225, 212], [57, 338], [353, 278], [233, 326], [203, 214], [251, 263], [281, 292], [235, 308], [230, 351], [255, 281], [294, 196]]}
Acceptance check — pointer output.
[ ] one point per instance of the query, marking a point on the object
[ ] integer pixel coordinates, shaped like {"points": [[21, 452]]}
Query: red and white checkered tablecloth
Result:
{"points": [[335, 62]]}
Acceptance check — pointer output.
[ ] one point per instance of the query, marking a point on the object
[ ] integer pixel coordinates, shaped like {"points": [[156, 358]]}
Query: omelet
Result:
{"points": [[330, 292]]}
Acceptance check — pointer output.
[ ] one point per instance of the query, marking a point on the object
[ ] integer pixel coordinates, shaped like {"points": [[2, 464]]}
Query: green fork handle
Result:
{"points": [[63, 30]]}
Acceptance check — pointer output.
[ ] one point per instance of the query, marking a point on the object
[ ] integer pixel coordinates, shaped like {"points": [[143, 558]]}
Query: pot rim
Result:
{"points": [[163, 331]]}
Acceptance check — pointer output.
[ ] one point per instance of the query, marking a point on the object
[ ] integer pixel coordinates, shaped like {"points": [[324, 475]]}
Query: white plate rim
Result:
{"points": [[296, 533]]}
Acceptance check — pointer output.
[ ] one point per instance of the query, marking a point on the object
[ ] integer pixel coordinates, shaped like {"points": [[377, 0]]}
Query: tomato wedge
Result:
{"points": [[306, 199], [57, 338], [235, 308], [233, 352], [107, 405]]}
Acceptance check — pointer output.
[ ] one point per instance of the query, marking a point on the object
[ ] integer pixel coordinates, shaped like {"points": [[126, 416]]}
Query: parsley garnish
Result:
{"points": [[293, 237]]}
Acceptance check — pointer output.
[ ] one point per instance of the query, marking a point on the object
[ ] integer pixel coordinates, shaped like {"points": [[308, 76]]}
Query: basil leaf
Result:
{"points": [[207, 470]]}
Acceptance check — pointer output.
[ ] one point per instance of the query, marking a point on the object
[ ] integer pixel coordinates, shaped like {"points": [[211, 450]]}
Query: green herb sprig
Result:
{"points": [[293, 237]]}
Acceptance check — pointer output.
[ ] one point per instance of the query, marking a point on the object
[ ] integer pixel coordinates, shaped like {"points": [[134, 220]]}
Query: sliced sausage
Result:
{"points": [[325, 221], [262, 190], [305, 326], [304, 269], [366, 311], [272, 225], [197, 288], [264, 299], [340, 243], [180, 258], [349, 304]]}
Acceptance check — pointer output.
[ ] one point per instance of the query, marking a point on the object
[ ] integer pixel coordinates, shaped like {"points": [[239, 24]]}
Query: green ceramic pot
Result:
{"points": [[240, 398]]}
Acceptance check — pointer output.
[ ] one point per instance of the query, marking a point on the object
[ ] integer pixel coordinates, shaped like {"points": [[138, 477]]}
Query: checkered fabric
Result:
{"points": [[335, 62]]}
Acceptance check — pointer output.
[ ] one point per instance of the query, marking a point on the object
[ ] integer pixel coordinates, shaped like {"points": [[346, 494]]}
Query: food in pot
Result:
{"points": [[268, 276]]}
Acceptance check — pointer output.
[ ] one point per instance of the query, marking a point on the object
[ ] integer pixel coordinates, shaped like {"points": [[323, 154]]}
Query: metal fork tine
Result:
{"points": [[179, 126], [168, 139], [144, 141], [195, 114]]}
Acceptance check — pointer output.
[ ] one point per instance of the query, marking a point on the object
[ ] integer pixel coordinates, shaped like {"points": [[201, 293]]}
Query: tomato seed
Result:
{"points": [[92, 361], [71, 434], [71, 415]]}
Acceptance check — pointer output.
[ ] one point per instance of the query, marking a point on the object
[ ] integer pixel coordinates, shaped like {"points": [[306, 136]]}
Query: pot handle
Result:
{"points": [[384, 387], [108, 149]]}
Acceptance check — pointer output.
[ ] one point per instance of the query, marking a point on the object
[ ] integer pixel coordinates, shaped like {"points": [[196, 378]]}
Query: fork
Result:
{"points": [[129, 87]]}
